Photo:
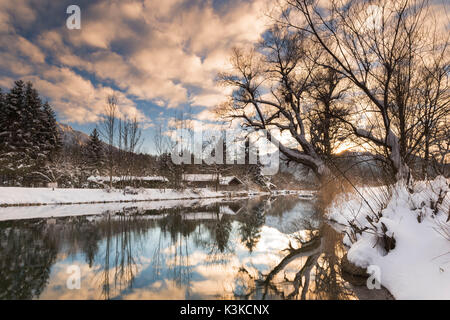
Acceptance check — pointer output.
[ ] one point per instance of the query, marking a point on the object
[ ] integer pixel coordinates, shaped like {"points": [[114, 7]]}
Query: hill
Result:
{"points": [[70, 136]]}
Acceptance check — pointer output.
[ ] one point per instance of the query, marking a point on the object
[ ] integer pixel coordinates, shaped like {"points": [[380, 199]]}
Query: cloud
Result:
{"points": [[166, 52], [15, 12], [208, 99], [21, 47], [77, 99]]}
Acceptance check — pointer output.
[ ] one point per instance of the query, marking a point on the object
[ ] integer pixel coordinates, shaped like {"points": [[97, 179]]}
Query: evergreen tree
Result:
{"points": [[51, 140], [2, 132], [14, 139], [94, 151], [2, 113], [28, 132], [33, 125]]}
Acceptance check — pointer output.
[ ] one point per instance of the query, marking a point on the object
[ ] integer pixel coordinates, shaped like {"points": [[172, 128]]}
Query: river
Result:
{"points": [[259, 248]]}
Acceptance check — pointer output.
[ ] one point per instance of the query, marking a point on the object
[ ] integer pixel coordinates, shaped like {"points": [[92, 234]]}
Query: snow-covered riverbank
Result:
{"points": [[44, 196], [418, 267], [59, 211]]}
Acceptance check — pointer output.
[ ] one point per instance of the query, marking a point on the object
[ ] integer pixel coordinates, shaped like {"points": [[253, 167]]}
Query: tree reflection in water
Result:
{"points": [[27, 251], [216, 243], [123, 237], [250, 228], [318, 278], [177, 264]]}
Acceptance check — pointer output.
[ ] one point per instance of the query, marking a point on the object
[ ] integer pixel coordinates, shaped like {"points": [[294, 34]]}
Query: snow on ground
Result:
{"points": [[419, 265], [40, 196], [13, 195], [58, 211]]}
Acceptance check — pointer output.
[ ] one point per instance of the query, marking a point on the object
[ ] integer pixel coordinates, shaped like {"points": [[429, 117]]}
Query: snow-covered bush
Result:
{"points": [[404, 231]]}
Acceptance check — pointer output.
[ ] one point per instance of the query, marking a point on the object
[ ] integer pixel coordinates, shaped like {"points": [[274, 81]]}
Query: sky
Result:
{"points": [[159, 57]]}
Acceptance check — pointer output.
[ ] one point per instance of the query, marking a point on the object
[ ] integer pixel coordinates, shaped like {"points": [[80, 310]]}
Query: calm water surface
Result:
{"points": [[241, 249]]}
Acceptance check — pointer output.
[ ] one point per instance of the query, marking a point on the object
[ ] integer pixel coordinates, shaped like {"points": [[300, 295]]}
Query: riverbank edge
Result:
{"points": [[202, 194]]}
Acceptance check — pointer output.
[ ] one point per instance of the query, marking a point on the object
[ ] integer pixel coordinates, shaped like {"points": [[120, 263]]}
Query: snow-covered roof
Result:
{"points": [[199, 177], [209, 178], [116, 178]]}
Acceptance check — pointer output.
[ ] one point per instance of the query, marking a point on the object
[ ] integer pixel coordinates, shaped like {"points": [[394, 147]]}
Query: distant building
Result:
{"points": [[189, 180], [212, 180], [144, 182]]}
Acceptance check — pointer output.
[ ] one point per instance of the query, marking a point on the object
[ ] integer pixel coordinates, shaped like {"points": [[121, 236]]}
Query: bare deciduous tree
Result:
{"points": [[160, 141], [274, 87], [108, 130], [433, 96], [379, 46], [130, 139]]}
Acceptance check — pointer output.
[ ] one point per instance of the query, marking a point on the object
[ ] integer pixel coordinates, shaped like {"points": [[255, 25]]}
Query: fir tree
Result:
{"points": [[3, 132], [94, 151], [28, 132], [2, 113], [52, 143], [14, 139], [33, 125]]}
